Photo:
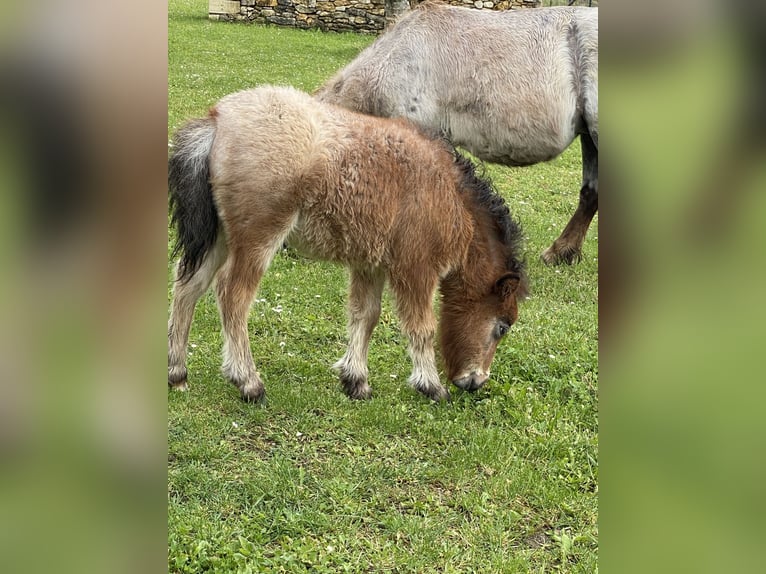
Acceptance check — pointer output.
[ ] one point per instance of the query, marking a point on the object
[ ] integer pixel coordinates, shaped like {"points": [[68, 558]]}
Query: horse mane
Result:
{"points": [[484, 196]]}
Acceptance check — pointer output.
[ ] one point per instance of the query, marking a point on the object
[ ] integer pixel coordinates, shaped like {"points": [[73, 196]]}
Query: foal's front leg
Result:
{"points": [[366, 289], [414, 300]]}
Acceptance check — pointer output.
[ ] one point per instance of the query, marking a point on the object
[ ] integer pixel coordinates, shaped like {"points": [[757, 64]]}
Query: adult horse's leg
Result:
{"points": [[235, 286], [568, 247], [414, 303], [366, 289], [185, 297]]}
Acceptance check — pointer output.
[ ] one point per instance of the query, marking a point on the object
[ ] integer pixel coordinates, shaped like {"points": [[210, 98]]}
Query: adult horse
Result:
{"points": [[273, 164], [513, 87]]}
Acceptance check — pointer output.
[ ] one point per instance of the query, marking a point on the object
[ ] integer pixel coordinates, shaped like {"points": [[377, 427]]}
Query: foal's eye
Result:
{"points": [[501, 329]]}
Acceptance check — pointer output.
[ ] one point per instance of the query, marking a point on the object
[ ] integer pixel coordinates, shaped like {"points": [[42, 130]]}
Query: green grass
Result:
{"points": [[504, 480]]}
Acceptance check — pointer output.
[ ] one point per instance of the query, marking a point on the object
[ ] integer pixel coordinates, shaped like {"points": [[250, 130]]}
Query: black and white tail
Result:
{"points": [[193, 212]]}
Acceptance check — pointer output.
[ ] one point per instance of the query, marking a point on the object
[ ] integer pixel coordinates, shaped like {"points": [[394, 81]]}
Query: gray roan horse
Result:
{"points": [[512, 87], [392, 204]]}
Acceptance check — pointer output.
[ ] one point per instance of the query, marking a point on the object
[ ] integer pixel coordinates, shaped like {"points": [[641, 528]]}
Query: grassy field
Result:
{"points": [[504, 480]]}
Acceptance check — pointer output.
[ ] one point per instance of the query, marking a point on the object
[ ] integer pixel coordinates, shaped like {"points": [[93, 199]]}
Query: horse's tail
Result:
{"points": [[194, 214], [585, 35]]}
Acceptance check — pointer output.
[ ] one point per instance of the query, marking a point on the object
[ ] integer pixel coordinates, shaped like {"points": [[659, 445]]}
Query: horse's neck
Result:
{"points": [[478, 263]]}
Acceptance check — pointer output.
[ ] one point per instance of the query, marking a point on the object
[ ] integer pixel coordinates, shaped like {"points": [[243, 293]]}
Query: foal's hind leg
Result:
{"points": [[366, 289], [568, 247], [185, 297], [235, 288]]}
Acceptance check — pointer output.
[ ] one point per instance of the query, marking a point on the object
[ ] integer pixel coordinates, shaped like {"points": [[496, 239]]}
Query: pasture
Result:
{"points": [[502, 480]]}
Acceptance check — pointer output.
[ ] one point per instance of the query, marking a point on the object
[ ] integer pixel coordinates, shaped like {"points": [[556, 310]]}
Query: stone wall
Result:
{"points": [[366, 16]]}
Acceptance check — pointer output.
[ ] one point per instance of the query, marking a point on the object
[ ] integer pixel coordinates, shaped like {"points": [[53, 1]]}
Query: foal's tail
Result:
{"points": [[191, 196]]}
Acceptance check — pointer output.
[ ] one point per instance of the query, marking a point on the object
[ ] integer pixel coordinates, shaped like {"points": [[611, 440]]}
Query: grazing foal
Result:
{"points": [[377, 195]]}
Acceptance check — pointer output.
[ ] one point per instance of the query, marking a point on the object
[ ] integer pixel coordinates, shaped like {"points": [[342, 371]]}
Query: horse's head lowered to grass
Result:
{"points": [[480, 300]]}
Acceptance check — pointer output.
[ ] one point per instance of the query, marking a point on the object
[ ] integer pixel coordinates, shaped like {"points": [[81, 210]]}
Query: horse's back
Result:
{"points": [[263, 122], [265, 143], [381, 189], [504, 85], [358, 188]]}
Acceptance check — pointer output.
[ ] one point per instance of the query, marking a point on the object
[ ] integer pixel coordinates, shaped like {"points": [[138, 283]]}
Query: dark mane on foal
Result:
{"points": [[509, 230]]}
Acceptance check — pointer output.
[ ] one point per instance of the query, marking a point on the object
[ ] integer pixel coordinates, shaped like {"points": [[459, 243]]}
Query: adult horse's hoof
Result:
{"points": [[567, 255]]}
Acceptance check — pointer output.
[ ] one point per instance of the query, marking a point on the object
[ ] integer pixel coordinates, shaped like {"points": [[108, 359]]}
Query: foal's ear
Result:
{"points": [[507, 285]]}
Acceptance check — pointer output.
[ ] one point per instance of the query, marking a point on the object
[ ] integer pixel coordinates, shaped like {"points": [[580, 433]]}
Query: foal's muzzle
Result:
{"points": [[471, 382]]}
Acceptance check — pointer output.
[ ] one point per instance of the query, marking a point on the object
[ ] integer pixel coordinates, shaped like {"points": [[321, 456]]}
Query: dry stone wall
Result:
{"points": [[366, 16]]}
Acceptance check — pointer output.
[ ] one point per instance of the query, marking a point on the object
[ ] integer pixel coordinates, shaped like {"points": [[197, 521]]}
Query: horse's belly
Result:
{"points": [[330, 239], [510, 144], [513, 153], [514, 158]]}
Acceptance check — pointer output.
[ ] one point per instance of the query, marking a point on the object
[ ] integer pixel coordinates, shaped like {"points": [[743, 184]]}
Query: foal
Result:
{"points": [[273, 164]]}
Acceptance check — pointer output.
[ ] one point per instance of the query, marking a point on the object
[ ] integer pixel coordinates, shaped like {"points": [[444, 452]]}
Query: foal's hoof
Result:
{"points": [[557, 256], [177, 379], [252, 392], [179, 386], [437, 393], [355, 388]]}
